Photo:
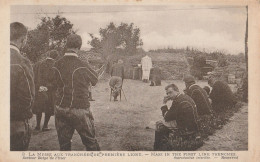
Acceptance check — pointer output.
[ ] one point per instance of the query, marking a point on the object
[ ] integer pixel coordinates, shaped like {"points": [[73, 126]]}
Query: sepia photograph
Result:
{"points": [[129, 77]]}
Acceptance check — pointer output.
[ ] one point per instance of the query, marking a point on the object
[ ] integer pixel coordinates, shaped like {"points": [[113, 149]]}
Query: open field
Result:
{"points": [[120, 126]]}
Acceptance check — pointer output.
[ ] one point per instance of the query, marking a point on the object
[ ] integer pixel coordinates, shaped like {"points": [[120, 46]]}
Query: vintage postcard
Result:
{"points": [[130, 80]]}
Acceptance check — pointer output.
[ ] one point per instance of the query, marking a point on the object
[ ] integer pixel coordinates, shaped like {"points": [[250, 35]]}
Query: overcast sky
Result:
{"points": [[161, 26]]}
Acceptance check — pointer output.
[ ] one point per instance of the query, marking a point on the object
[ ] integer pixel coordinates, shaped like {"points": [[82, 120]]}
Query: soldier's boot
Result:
{"points": [[157, 141], [115, 96], [90, 97], [38, 120], [93, 147], [65, 146], [46, 121]]}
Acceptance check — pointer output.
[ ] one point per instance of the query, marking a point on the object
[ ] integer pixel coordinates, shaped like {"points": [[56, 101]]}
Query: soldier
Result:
{"points": [[181, 117], [117, 77], [72, 79], [22, 90], [221, 95], [44, 100], [204, 108], [155, 76], [198, 94], [90, 93]]}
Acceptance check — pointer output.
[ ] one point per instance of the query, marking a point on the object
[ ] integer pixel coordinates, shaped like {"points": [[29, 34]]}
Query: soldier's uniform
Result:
{"points": [[44, 101], [117, 76], [204, 108], [155, 76], [200, 97], [72, 79], [222, 97], [21, 100], [183, 111]]}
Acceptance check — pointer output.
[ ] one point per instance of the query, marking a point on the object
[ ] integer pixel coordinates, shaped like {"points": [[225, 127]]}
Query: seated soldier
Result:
{"points": [[221, 95], [183, 113], [198, 94], [117, 77], [200, 97]]}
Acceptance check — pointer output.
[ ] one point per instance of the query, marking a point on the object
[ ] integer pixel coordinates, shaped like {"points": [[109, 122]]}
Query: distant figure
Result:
{"points": [[180, 118], [44, 98], [72, 112], [155, 76], [221, 95], [90, 97], [22, 90], [198, 94], [146, 67], [117, 77]]}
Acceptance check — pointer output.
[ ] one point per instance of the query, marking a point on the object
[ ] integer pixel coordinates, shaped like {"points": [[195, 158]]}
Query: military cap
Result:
{"points": [[189, 79]]}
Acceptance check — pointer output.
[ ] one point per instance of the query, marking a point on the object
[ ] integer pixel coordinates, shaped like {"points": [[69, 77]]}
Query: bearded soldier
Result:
{"points": [[22, 90]]}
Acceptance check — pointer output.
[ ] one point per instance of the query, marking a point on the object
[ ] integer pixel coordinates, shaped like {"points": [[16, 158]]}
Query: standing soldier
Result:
{"points": [[72, 79], [44, 99], [117, 77], [22, 90]]}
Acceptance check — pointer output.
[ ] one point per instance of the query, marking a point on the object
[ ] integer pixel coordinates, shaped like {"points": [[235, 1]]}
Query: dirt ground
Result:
{"points": [[121, 126], [233, 136]]}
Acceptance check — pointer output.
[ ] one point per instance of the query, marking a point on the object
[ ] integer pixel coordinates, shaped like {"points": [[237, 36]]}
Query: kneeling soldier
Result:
{"points": [[117, 77]]}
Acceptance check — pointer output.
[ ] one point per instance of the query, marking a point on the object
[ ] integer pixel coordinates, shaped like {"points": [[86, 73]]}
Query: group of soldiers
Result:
{"points": [[191, 113], [66, 82], [68, 79]]}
